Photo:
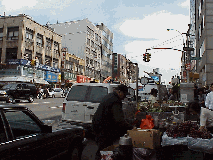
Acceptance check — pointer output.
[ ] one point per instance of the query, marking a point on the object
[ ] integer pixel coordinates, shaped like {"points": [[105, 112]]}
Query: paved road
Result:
{"points": [[45, 108], [50, 108]]}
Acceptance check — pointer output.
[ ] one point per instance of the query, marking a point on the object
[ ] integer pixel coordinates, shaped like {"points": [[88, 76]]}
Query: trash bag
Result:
{"points": [[147, 123]]}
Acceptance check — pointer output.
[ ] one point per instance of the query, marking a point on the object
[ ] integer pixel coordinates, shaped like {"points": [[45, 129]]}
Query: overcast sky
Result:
{"points": [[137, 25]]}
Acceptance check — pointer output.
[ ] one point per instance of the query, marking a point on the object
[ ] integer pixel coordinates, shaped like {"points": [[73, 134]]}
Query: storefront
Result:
{"points": [[83, 79]]}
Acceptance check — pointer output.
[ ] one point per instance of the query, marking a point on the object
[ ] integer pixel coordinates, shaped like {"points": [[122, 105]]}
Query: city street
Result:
{"points": [[49, 108]]}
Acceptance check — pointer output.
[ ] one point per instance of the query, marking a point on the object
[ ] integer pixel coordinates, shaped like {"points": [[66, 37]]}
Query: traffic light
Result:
{"points": [[144, 58], [148, 56]]}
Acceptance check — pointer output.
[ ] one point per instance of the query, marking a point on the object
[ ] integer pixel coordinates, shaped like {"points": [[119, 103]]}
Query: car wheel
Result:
{"points": [[17, 101], [75, 153], [10, 99], [31, 98]]}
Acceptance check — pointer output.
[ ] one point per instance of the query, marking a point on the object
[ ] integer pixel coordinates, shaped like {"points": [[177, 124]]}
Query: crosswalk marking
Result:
{"points": [[56, 107]]}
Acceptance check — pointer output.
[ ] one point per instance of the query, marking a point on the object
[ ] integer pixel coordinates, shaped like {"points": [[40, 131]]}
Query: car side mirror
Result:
{"points": [[46, 129]]}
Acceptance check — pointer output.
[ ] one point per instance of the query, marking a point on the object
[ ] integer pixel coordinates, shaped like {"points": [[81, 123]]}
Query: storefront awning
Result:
{"points": [[14, 79], [40, 81]]}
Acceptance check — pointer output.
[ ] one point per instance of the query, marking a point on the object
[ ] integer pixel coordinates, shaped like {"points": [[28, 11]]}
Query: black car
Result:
{"points": [[14, 92], [24, 136]]}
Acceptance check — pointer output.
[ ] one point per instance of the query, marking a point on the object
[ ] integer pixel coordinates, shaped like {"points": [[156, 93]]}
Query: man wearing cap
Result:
{"points": [[108, 122]]}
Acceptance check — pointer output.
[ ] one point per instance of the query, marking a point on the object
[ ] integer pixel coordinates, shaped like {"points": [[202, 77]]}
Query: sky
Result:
{"points": [[137, 25]]}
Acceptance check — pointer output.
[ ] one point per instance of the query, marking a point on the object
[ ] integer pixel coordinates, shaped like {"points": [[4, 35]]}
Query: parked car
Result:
{"points": [[14, 92], [56, 92], [24, 136], [82, 101]]}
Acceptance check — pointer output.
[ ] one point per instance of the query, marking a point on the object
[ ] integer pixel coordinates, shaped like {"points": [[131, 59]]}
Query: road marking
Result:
{"points": [[45, 102], [26, 104], [53, 107], [56, 107]]}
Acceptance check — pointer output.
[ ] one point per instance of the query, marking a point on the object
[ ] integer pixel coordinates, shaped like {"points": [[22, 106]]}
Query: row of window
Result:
{"points": [[107, 36], [91, 33], [107, 45], [93, 44]]}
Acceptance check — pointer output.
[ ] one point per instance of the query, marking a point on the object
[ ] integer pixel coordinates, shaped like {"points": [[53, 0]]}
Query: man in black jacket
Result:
{"points": [[108, 122]]}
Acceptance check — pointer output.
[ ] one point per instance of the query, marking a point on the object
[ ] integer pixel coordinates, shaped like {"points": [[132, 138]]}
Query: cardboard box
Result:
{"points": [[145, 138]]}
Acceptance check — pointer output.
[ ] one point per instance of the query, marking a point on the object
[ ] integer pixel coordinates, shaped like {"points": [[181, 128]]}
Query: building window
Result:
{"points": [[1, 33], [96, 36], [48, 43], [12, 33], [88, 41], [29, 34], [92, 44], [39, 40], [11, 53], [56, 47]]}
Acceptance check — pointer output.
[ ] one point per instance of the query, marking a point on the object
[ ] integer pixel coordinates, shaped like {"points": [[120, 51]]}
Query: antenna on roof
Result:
{"points": [[47, 23]]}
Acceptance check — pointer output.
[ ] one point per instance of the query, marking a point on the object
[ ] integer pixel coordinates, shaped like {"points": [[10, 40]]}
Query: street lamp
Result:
{"points": [[136, 82]]}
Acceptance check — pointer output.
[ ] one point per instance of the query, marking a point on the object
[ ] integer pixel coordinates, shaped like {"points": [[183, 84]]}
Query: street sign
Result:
{"points": [[144, 80], [195, 58], [188, 49]]}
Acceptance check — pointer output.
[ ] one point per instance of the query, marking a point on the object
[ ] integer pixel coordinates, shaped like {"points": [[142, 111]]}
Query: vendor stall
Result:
{"points": [[171, 136]]}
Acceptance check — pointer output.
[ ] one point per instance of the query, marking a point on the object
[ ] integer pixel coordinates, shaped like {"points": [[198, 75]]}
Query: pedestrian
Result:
{"points": [[108, 122], [152, 97], [193, 111], [196, 92], [209, 98], [201, 97], [171, 95]]}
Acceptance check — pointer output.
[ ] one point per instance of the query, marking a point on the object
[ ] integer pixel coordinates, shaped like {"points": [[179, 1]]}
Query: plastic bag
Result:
{"points": [[202, 145], [170, 141], [147, 123]]}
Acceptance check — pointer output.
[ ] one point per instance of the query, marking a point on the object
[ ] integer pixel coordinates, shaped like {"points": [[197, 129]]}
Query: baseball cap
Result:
{"points": [[123, 88]]}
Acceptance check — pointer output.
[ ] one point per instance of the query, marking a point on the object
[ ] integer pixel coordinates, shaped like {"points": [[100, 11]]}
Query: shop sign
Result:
{"points": [[18, 62], [59, 76], [188, 66], [184, 74], [40, 74], [10, 72], [51, 77]]}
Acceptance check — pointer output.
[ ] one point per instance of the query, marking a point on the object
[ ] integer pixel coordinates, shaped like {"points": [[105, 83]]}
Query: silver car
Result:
{"points": [[56, 92]]}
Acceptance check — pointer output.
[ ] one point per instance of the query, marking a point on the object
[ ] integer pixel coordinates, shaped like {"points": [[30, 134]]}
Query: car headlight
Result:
{"points": [[3, 92]]}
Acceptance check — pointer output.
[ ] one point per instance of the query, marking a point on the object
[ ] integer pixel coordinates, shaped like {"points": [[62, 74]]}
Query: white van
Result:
{"points": [[83, 99]]}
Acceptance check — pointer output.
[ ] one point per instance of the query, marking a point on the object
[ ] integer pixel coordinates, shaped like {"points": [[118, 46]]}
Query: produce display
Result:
{"points": [[156, 107], [187, 128]]}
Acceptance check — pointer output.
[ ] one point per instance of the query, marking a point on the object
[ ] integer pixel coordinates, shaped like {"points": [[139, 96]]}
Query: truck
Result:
{"points": [[24, 136], [83, 99]]}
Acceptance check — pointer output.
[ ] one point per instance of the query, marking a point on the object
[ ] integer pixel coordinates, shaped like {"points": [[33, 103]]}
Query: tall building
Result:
{"points": [[107, 50], [123, 70], [22, 40], [83, 39], [204, 40]]}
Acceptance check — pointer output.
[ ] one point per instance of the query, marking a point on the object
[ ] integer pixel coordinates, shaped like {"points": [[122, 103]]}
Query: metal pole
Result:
{"points": [[136, 84]]}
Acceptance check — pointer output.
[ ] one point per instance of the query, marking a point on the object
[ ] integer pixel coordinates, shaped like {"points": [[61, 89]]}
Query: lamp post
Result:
{"points": [[136, 82], [183, 52]]}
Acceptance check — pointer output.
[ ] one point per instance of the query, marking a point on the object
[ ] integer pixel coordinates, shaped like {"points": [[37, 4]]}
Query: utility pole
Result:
{"points": [[136, 84]]}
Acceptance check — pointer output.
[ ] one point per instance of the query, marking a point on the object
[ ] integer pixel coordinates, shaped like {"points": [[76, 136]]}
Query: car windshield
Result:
{"points": [[77, 93], [97, 93], [10, 86], [87, 93]]}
